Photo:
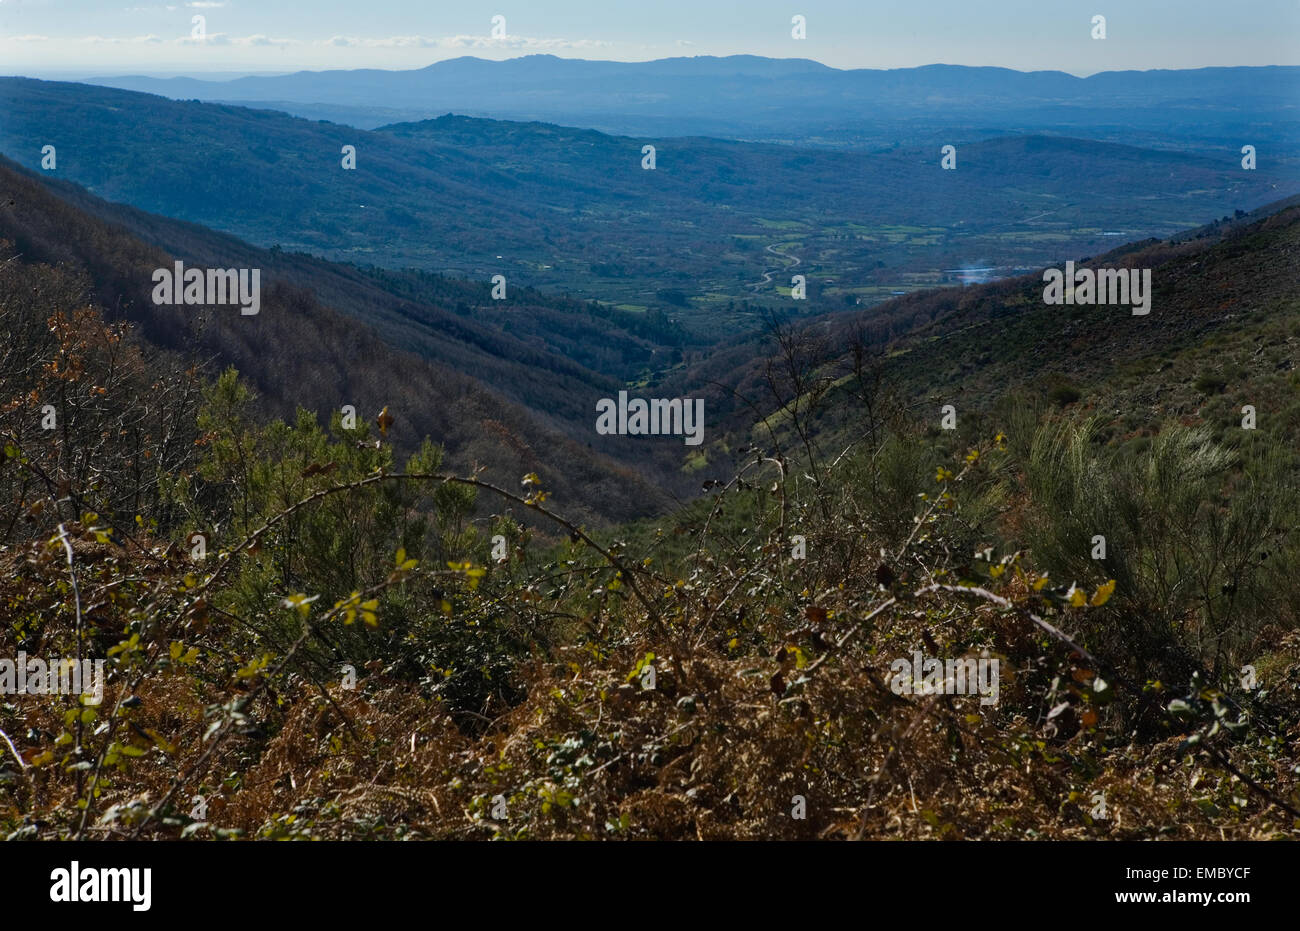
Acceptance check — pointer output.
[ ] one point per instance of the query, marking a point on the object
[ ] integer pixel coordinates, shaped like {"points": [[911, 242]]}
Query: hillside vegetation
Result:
{"points": [[329, 336], [373, 644]]}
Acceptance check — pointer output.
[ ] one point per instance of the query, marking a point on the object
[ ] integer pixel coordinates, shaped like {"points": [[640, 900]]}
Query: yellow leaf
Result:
{"points": [[1103, 593], [300, 603]]}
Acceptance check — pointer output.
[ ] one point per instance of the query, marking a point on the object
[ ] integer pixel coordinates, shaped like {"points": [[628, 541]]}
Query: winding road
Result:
{"points": [[767, 275]]}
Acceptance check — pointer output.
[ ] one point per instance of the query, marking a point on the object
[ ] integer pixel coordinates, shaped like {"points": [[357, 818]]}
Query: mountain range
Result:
{"points": [[751, 97]]}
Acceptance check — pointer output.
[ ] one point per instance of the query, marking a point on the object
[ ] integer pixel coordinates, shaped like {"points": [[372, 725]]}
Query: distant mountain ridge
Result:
{"points": [[490, 77], [745, 95]]}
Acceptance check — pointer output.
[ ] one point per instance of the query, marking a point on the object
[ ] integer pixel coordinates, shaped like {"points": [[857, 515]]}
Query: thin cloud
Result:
{"points": [[212, 38], [398, 42], [520, 42], [462, 42], [261, 40], [135, 40]]}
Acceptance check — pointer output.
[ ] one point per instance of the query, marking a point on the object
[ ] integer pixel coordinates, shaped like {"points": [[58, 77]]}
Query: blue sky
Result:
{"points": [[135, 36]]}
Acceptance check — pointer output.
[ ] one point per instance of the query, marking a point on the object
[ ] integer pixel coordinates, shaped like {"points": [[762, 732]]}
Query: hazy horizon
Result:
{"points": [[84, 37], [225, 74]]}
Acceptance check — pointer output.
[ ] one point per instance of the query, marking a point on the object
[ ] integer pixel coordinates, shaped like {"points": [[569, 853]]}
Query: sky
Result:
{"points": [[50, 38]]}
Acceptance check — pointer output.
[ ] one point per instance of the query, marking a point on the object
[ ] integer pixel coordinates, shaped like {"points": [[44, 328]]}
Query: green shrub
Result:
{"points": [[1184, 522], [1063, 395], [1209, 383]]}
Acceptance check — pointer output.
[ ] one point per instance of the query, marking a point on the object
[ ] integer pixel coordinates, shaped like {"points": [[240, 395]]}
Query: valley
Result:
{"points": [[709, 448], [571, 211]]}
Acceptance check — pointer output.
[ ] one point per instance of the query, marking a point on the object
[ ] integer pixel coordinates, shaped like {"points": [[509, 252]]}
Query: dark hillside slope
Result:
{"points": [[1209, 290], [299, 352], [537, 349], [1223, 331]]}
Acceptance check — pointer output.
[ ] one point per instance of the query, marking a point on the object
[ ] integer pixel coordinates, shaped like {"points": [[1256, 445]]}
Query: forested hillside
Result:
{"points": [[368, 643], [1215, 338], [328, 336]]}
